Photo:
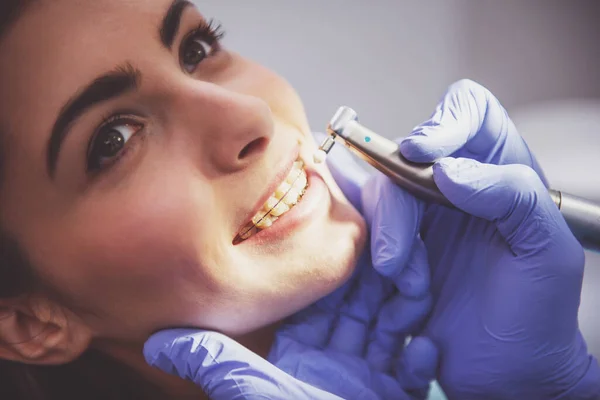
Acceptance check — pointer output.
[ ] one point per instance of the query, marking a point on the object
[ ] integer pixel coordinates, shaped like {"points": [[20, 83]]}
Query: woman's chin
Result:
{"points": [[345, 254]]}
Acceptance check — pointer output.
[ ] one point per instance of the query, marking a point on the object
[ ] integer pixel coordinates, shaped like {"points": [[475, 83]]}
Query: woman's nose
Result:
{"points": [[245, 134], [231, 130]]}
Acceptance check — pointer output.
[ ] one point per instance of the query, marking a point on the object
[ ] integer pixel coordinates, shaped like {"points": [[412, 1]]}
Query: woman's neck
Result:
{"points": [[259, 341]]}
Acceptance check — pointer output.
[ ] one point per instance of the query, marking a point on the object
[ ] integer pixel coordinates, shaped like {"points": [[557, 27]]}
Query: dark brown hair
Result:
{"points": [[92, 376]]}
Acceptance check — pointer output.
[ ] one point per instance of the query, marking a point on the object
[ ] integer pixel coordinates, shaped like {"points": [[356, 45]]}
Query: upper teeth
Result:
{"points": [[281, 201]]}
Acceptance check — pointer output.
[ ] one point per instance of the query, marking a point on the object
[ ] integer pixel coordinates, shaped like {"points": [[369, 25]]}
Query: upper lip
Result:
{"points": [[275, 182]]}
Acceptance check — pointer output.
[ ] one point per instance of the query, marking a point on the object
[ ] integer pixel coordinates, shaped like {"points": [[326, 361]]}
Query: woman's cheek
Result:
{"points": [[149, 242]]}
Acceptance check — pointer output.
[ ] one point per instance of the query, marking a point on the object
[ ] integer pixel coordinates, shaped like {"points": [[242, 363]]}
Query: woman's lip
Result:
{"points": [[275, 182], [313, 200]]}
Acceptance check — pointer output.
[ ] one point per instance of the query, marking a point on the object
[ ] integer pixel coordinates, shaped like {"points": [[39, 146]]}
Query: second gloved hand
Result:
{"points": [[506, 270]]}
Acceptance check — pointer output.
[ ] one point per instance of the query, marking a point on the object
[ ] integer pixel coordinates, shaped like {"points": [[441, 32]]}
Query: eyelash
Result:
{"points": [[211, 32]]}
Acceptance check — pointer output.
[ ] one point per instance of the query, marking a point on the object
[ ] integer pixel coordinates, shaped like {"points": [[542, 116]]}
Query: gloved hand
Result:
{"points": [[506, 272], [348, 345]]}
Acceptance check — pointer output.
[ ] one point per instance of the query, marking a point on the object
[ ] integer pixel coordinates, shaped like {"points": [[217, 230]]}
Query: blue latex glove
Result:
{"points": [[348, 345], [506, 272]]}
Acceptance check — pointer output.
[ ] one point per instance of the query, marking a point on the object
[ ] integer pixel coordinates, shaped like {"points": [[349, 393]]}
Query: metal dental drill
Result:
{"points": [[582, 216]]}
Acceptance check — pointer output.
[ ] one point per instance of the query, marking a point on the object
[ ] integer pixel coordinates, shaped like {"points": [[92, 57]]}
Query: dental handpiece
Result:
{"points": [[582, 215]]}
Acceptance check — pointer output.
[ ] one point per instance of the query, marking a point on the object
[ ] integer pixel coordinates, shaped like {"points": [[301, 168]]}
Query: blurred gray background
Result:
{"points": [[392, 61]]}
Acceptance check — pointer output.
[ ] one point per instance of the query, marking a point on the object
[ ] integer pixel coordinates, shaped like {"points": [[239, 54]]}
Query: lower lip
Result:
{"points": [[313, 200]]}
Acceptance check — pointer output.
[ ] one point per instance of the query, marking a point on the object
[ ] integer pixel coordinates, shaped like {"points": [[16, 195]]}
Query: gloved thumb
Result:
{"points": [[223, 368], [456, 122], [512, 196]]}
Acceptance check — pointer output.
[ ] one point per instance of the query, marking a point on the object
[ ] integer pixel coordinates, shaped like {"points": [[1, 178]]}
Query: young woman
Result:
{"points": [[136, 152]]}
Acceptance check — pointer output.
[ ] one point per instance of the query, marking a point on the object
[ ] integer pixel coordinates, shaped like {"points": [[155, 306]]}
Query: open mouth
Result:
{"points": [[282, 200]]}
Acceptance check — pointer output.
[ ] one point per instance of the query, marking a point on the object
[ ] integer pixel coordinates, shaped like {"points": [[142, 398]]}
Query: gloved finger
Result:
{"points": [[399, 317], [223, 368], [393, 216], [381, 349], [401, 314], [347, 172], [469, 122], [417, 366], [360, 309], [513, 196], [415, 278]]}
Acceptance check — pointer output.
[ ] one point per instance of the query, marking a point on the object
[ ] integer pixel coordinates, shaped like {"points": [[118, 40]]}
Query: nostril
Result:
{"points": [[255, 146]]}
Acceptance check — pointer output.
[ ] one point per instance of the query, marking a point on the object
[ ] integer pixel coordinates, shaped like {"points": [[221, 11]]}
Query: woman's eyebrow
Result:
{"points": [[170, 24], [113, 84]]}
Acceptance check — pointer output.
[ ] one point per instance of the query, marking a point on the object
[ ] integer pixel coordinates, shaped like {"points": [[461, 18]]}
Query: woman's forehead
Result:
{"points": [[72, 31], [77, 19], [57, 12]]}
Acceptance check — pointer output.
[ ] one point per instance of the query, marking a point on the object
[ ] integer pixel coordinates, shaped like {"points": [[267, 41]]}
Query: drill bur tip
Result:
{"points": [[319, 156]]}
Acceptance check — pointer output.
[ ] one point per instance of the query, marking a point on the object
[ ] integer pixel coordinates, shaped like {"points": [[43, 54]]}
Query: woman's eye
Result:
{"points": [[193, 52], [201, 43], [108, 144]]}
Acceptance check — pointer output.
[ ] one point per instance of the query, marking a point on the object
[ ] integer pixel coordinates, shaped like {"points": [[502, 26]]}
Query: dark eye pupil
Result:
{"points": [[110, 143], [194, 53]]}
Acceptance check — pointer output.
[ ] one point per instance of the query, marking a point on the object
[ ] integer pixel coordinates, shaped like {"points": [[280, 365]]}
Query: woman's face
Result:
{"points": [[137, 149]]}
